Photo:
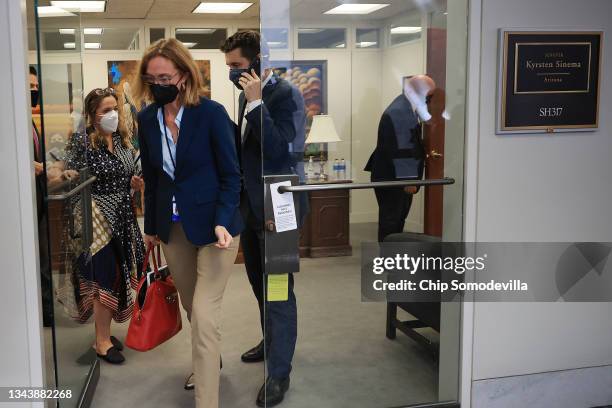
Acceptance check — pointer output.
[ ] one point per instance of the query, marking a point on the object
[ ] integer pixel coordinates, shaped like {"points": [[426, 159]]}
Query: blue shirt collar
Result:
{"points": [[179, 116]]}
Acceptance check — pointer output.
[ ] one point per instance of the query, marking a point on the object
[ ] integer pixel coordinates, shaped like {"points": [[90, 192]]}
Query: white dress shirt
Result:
{"points": [[253, 104]]}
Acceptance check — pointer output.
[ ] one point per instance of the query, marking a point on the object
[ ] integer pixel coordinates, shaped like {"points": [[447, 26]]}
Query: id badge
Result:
{"points": [[175, 213]]}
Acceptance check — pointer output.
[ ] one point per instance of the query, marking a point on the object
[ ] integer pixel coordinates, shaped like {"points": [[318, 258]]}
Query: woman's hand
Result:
{"points": [[151, 240], [137, 183], [38, 168], [70, 174], [224, 238]]}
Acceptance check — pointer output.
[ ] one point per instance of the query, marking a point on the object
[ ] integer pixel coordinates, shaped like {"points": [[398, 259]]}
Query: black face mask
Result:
{"points": [[34, 96], [164, 94], [236, 73]]}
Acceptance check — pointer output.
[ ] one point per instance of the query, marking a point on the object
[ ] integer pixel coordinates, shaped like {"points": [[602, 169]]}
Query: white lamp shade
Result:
{"points": [[323, 130]]}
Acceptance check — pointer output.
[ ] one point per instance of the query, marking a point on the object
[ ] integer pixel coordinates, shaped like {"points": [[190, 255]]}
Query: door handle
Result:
{"points": [[435, 155], [362, 186], [73, 192], [83, 190]]}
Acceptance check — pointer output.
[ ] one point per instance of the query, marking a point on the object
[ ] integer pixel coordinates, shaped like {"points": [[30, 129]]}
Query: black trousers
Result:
{"points": [[393, 208], [46, 284]]}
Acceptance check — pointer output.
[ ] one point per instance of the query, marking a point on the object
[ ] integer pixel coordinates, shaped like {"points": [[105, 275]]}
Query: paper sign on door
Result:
{"points": [[278, 288], [284, 209]]}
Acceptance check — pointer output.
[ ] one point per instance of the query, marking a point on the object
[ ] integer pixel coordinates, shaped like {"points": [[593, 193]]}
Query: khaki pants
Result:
{"points": [[200, 275]]}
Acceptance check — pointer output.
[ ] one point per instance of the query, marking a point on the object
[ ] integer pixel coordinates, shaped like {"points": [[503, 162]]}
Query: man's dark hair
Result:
{"points": [[248, 41], [33, 70]]}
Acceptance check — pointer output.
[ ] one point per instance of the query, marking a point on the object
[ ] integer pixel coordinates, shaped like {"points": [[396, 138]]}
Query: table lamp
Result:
{"points": [[322, 131]]}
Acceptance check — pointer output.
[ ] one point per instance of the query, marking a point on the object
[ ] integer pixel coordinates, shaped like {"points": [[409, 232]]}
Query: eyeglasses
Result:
{"points": [[104, 91], [163, 80]]}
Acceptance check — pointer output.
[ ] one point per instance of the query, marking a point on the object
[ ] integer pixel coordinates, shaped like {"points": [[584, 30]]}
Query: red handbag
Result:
{"points": [[156, 316]]}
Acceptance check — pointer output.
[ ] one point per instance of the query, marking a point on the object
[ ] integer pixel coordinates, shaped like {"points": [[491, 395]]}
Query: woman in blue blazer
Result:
{"points": [[192, 195]]}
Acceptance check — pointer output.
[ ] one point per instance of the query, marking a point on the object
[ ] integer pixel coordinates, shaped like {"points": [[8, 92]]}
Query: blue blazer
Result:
{"points": [[206, 181]]}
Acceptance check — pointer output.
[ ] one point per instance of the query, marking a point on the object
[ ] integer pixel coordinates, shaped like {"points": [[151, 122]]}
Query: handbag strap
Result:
{"points": [[151, 248], [159, 256]]}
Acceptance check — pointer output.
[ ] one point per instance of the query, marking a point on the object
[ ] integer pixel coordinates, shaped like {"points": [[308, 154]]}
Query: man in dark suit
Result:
{"points": [[43, 228], [399, 153], [270, 141]]}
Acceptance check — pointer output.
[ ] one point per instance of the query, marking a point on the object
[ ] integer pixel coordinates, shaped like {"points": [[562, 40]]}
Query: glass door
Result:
{"points": [[369, 138], [63, 194]]}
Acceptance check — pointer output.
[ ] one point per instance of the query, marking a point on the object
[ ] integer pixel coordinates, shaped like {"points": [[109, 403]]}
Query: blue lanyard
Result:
{"points": [[167, 142]]}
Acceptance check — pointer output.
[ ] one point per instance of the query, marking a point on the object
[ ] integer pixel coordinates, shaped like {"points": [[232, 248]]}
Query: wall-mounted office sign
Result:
{"points": [[549, 81]]}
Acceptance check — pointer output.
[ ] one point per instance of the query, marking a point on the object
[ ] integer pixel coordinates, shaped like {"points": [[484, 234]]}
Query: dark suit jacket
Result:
{"points": [[273, 145], [399, 153], [41, 179], [207, 175]]}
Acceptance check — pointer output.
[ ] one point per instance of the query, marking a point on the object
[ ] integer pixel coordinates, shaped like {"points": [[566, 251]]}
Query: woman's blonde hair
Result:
{"points": [[180, 56], [92, 101]]}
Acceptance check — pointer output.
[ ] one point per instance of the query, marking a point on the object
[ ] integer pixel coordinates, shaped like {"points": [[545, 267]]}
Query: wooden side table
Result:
{"points": [[326, 230]]}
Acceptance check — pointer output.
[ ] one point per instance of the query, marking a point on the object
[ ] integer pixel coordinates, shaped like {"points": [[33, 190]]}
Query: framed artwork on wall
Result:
{"points": [[310, 77]]}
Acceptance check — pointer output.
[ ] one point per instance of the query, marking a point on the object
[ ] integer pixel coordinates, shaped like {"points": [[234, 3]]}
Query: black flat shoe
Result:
{"points": [[116, 343], [272, 392], [254, 355], [189, 384], [112, 356]]}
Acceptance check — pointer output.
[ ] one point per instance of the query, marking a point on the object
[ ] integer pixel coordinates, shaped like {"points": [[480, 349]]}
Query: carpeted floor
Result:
{"points": [[343, 358]]}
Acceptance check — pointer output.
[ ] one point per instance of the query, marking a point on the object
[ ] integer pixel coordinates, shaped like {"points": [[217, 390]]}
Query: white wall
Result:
{"points": [[21, 352], [537, 188]]}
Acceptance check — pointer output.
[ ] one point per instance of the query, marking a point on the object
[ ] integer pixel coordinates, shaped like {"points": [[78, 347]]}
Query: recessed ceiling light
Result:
{"points": [[70, 45], [221, 8], [406, 30], [67, 31], [93, 31], [189, 44], [195, 30], [341, 45], [356, 8], [92, 6], [93, 45], [52, 11]]}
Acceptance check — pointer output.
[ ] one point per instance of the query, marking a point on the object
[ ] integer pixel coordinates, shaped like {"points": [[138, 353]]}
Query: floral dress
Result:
{"points": [[111, 268]]}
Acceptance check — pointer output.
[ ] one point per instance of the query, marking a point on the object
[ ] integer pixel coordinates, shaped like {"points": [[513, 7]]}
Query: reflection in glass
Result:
{"points": [[402, 34], [69, 353], [368, 38], [201, 38], [156, 34], [351, 353], [124, 38], [321, 38], [277, 38]]}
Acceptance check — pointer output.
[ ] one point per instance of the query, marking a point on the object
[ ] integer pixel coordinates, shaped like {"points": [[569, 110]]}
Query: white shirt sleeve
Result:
{"points": [[252, 105]]}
